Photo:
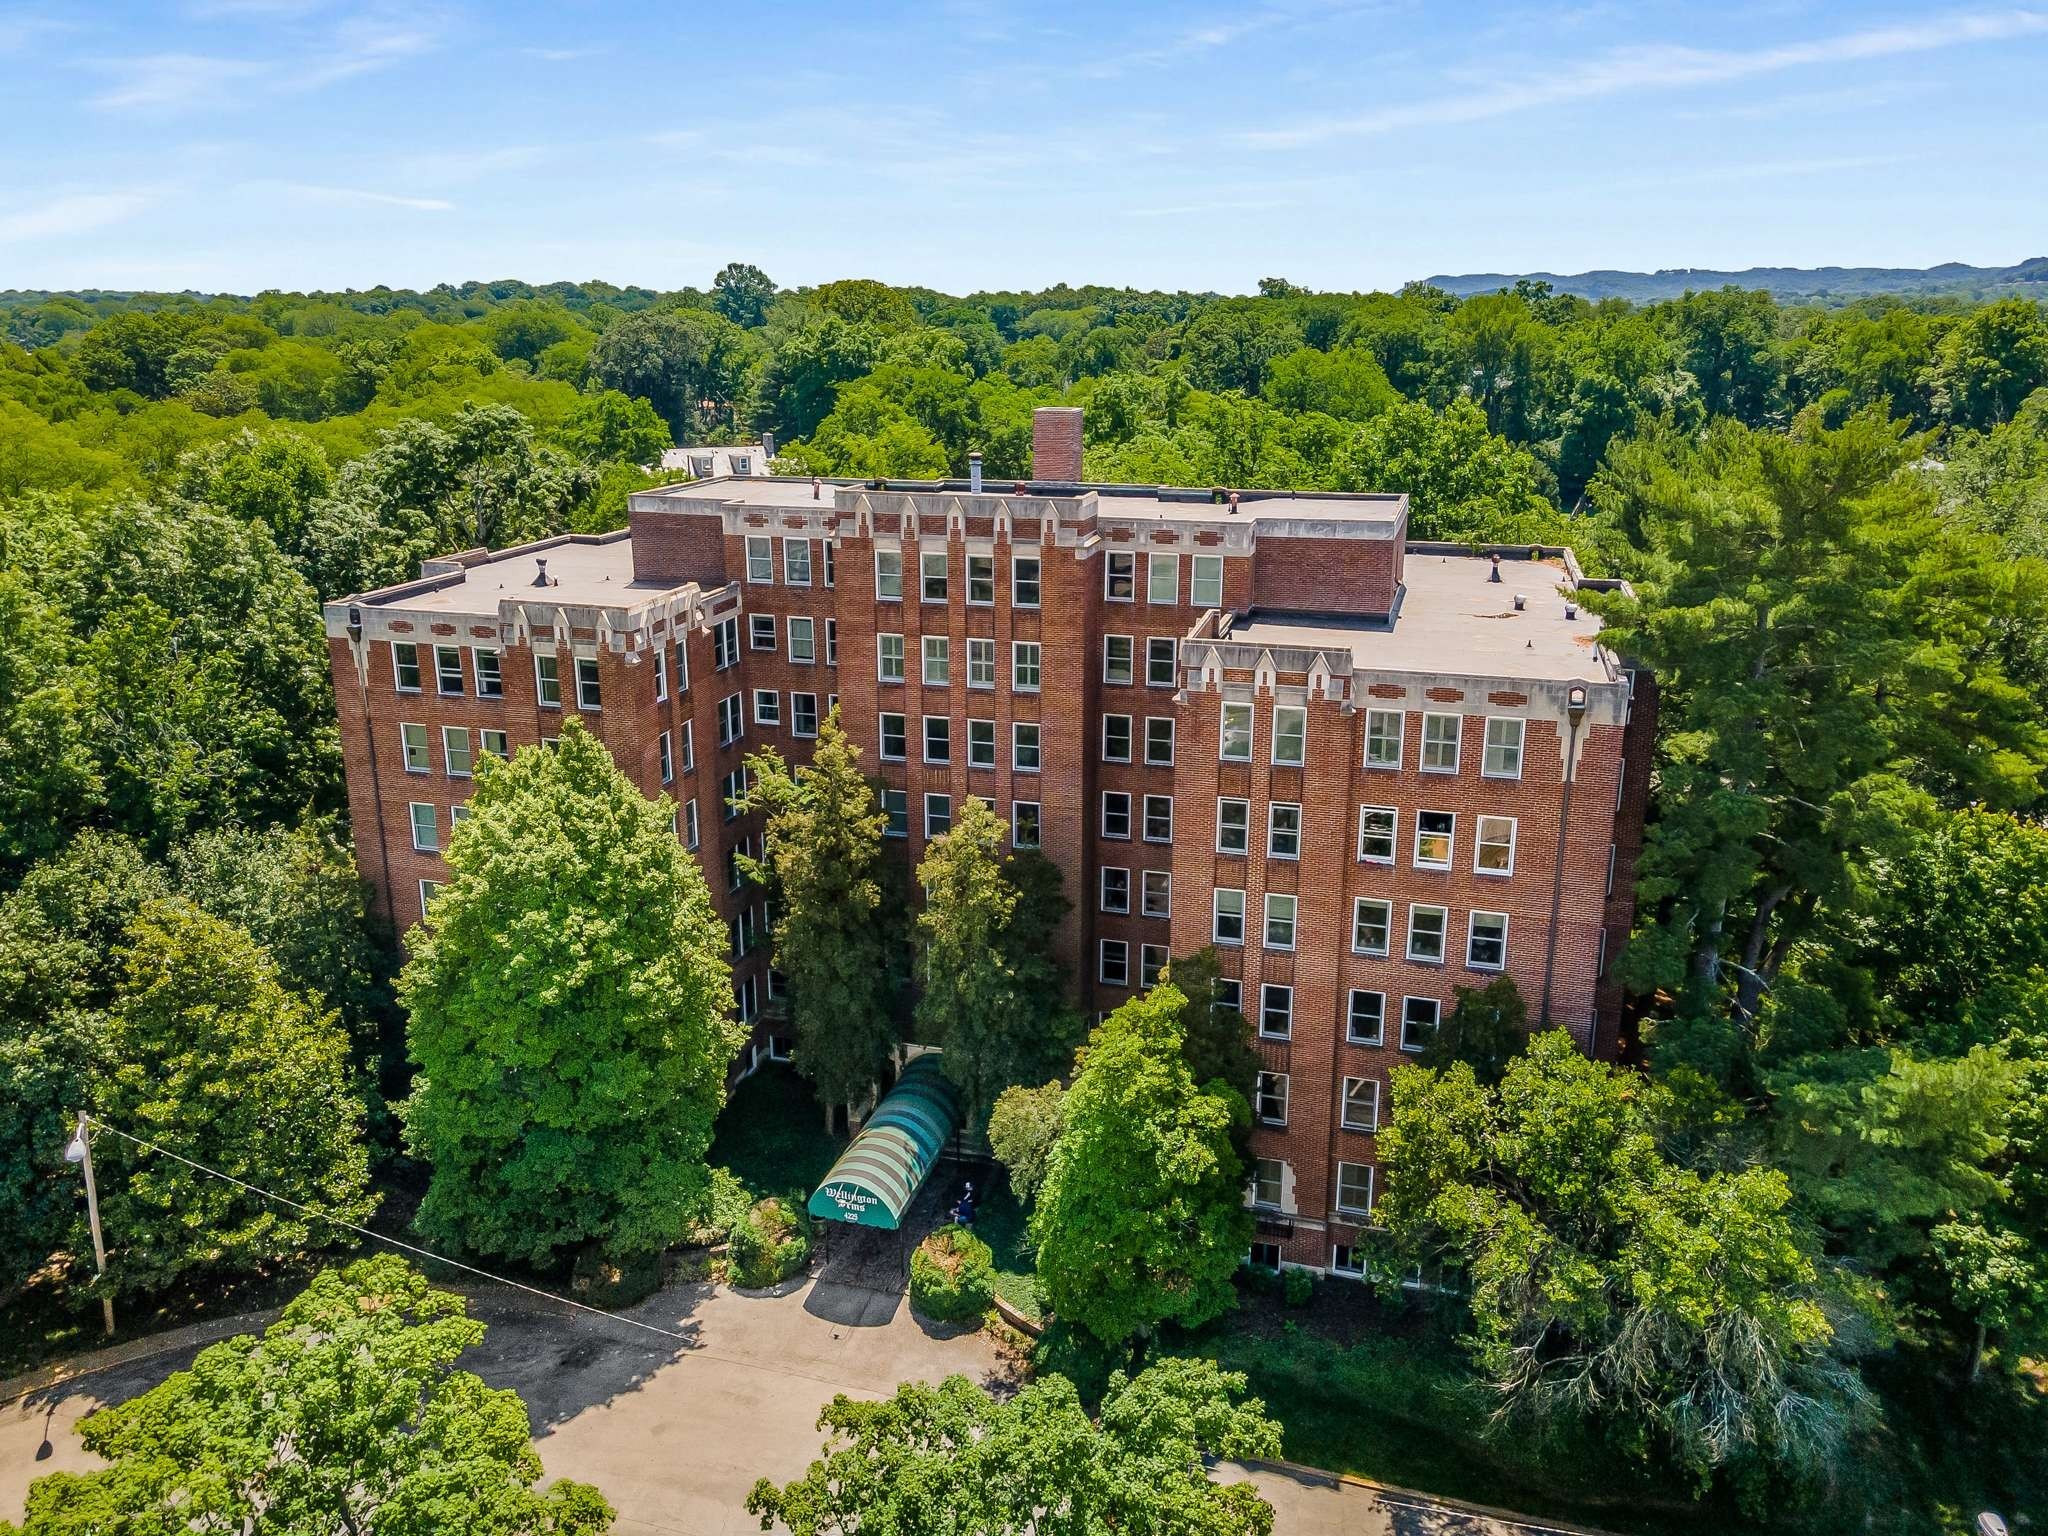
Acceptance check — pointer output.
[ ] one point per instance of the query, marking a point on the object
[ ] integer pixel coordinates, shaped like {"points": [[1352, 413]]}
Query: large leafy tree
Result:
{"points": [[1035, 1462], [345, 1416], [1142, 1218], [742, 293], [571, 1016], [691, 365], [837, 937]]}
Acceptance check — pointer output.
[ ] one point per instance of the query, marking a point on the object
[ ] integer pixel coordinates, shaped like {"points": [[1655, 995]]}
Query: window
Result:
{"points": [[1024, 580], [1119, 577], [767, 707], [1383, 728], [981, 743], [497, 743], [803, 714], [889, 658], [1159, 740], [455, 750], [981, 663], [1372, 923], [731, 725], [1419, 1017], [931, 568], [1162, 578], [725, 643], [936, 670], [981, 580], [894, 745], [691, 835], [1229, 994], [1290, 734], [1435, 833], [682, 668], [803, 641], [660, 673], [1347, 1260], [747, 997], [448, 669], [831, 642], [490, 677], [1366, 1021], [665, 752], [889, 575], [732, 790], [760, 559], [1116, 738], [1233, 826], [589, 695], [547, 681], [1116, 658], [1235, 734], [1426, 933], [1361, 1110], [1276, 1011], [831, 563], [1151, 964], [1024, 666], [938, 815], [1283, 831], [1159, 818], [1486, 941], [1440, 743], [1269, 1098], [796, 562], [1502, 758], [1024, 746], [1493, 850], [1024, 823], [405, 666], [1160, 652], [1376, 828], [1205, 584], [1229, 914], [1354, 1188], [1115, 895], [426, 827], [1268, 1185], [1156, 893], [413, 738], [896, 806], [1116, 813], [938, 739], [1114, 967], [761, 631], [429, 889], [689, 745], [1280, 909]]}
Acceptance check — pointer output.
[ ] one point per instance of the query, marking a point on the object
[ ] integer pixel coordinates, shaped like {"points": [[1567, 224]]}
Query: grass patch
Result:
{"points": [[999, 1221], [772, 1134]]}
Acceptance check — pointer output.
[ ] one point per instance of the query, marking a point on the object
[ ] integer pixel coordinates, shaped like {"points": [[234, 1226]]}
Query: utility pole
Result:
{"points": [[80, 1152]]}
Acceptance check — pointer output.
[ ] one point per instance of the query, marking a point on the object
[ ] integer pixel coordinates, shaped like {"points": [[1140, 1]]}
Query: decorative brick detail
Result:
{"points": [[401, 626], [1387, 691], [1446, 695], [483, 631], [442, 629], [1505, 700]]}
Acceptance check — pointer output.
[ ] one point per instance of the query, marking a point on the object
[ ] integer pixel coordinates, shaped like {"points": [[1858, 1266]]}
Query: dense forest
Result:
{"points": [[1816, 1249]]}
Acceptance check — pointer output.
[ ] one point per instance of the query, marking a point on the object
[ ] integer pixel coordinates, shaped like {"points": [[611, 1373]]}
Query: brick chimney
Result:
{"points": [[1056, 443]]}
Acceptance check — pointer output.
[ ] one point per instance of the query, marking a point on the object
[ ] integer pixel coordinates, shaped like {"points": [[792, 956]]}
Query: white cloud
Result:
{"points": [[170, 81], [321, 194], [565, 55], [73, 213]]}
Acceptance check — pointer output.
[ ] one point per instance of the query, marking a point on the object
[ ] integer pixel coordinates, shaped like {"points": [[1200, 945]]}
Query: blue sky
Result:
{"points": [[243, 144]]}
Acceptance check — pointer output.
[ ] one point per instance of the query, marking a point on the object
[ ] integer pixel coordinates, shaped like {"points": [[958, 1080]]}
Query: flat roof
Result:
{"points": [[583, 574], [1453, 619]]}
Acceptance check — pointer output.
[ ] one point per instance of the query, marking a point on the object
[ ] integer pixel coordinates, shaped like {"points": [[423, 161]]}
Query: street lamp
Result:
{"points": [[80, 1152]]}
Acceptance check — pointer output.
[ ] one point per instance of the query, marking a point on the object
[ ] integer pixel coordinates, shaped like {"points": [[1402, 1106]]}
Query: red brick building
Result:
{"points": [[1370, 771]]}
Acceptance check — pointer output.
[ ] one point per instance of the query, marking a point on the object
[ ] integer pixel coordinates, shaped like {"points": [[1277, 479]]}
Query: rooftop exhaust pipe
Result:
{"points": [[767, 445], [540, 571], [974, 473], [1521, 599], [817, 489], [1571, 610]]}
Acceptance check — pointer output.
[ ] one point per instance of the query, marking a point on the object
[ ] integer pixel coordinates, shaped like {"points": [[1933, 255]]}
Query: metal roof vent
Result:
{"points": [[540, 572]]}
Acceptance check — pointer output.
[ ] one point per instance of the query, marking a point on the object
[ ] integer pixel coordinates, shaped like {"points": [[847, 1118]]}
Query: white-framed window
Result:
{"points": [[1361, 1109], [1119, 576], [1228, 925], [1502, 758], [1116, 659], [889, 575], [429, 889], [405, 666], [1283, 830], [896, 807], [831, 639], [936, 667], [682, 667], [1024, 665], [589, 693], [1419, 1019], [547, 681], [689, 745], [1205, 582], [1115, 893], [889, 658], [1269, 1098], [1600, 958], [1493, 849], [747, 997], [1269, 1186], [732, 724], [1511, 858], [1365, 1021], [981, 743], [760, 559], [426, 827], [497, 743], [938, 815], [1155, 893], [1158, 811], [1024, 745], [1159, 740], [1436, 835], [448, 670], [1354, 1188], [665, 754], [1234, 733], [767, 707], [1280, 911], [1116, 738], [1377, 829], [1024, 574], [1276, 1011], [1024, 823], [803, 640], [761, 631], [455, 751], [803, 714], [1160, 661], [1114, 965], [1162, 578], [1290, 735], [1348, 1260], [1372, 925], [412, 739], [1233, 826], [829, 557], [1440, 734], [490, 676], [1229, 994], [1116, 814], [1426, 927], [457, 815], [692, 836], [981, 663], [796, 562], [981, 580], [1152, 960], [732, 789], [938, 739], [1383, 732], [931, 570], [1486, 941], [725, 643], [660, 674]]}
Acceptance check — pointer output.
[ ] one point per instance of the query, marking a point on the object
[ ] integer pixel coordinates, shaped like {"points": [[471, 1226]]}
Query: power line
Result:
{"points": [[228, 1178]]}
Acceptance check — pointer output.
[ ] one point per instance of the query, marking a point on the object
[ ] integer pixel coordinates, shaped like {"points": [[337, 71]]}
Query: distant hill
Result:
{"points": [[1825, 284]]}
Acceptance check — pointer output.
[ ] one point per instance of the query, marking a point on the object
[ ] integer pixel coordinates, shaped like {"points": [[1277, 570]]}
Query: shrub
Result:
{"points": [[767, 1245], [614, 1283], [1259, 1279], [1299, 1286], [952, 1276]]}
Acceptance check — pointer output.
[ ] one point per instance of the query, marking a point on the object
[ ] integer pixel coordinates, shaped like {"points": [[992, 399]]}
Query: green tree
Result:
{"points": [[1990, 362], [1349, 383], [1035, 1462], [1216, 1038], [1230, 344], [742, 293], [1141, 1219], [345, 1416], [690, 364], [570, 1012], [272, 477], [48, 777], [1021, 1131], [1486, 1028], [611, 427]]}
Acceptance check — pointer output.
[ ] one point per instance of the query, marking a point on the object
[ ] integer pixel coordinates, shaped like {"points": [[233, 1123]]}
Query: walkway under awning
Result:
{"points": [[876, 1177]]}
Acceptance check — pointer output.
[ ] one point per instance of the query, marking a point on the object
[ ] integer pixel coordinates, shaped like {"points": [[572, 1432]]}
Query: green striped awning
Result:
{"points": [[872, 1183]]}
